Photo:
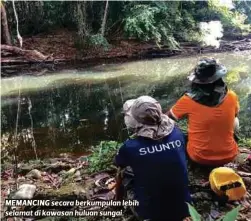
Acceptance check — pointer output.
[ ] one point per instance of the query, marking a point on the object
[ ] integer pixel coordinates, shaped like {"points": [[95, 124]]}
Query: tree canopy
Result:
{"points": [[96, 22]]}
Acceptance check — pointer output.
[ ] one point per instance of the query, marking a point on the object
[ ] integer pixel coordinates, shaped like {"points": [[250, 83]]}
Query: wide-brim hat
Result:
{"points": [[202, 75], [145, 116]]}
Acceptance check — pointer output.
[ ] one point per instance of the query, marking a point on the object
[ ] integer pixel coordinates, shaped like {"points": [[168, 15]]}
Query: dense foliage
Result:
{"points": [[165, 22]]}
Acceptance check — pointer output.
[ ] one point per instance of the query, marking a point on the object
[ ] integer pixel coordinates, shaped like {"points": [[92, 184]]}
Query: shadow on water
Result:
{"points": [[71, 112]]}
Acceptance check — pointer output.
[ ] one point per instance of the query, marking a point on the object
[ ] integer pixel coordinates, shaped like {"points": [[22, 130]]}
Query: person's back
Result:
{"points": [[210, 129], [160, 175], [210, 126]]}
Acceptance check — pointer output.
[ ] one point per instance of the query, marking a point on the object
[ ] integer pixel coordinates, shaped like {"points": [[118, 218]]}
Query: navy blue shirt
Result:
{"points": [[161, 179]]}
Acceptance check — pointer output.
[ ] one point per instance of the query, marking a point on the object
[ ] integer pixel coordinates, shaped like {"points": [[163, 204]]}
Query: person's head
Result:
{"points": [[144, 116], [207, 71]]}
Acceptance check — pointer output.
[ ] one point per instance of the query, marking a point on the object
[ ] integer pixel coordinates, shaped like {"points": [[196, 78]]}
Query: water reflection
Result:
{"points": [[73, 110]]}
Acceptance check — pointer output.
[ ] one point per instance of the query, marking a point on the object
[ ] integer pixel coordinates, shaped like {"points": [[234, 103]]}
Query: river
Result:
{"points": [[71, 110]]}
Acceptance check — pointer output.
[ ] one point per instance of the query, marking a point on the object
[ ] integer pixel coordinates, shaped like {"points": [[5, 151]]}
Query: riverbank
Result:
{"points": [[68, 178], [59, 50]]}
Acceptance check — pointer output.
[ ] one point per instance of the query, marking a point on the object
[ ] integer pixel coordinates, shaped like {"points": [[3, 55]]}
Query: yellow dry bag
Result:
{"points": [[224, 181]]}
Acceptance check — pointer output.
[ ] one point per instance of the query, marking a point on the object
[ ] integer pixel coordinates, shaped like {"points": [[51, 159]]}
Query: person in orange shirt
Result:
{"points": [[212, 111]]}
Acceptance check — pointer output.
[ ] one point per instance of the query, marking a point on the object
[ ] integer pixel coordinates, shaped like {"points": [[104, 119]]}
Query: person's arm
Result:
{"points": [[170, 115], [237, 107], [121, 158], [236, 120], [180, 109], [121, 162], [119, 190]]}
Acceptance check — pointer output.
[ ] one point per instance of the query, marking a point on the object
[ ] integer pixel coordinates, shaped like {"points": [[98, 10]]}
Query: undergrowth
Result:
{"points": [[103, 155], [245, 142], [230, 216]]}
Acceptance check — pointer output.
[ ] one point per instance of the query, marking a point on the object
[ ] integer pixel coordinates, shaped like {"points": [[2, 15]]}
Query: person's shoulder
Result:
{"points": [[184, 100], [176, 134], [131, 142], [186, 97], [177, 131], [232, 94]]}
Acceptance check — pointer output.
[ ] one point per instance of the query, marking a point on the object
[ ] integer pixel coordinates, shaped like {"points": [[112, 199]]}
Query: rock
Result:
{"points": [[25, 191], [78, 179], [71, 171], [77, 174], [34, 174], [53, 160]]}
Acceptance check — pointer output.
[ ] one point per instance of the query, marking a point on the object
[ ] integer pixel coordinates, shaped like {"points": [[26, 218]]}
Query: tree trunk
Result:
{"points": [[5, 27], [81, 19], [104, 18]]}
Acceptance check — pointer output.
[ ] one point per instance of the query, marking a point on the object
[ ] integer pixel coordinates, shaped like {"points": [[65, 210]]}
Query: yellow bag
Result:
{"points": [[224, 181]]}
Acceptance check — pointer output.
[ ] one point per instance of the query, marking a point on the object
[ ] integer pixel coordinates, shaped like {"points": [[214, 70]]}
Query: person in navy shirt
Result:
{"points": [[156, 156]]}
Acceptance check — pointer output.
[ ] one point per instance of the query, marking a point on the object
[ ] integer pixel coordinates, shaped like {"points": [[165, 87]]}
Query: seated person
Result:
{"points": [[156, 156], [211, 109]]}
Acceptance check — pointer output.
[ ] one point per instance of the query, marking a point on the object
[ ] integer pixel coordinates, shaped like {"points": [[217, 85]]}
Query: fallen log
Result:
{"points": [[19, 61], [32, 55]]}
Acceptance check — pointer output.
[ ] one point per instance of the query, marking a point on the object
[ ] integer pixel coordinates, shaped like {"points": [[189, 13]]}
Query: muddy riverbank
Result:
{"points": [[63, 53]]}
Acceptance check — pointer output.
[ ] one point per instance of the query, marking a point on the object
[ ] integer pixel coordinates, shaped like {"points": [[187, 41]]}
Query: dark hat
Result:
{"points": [[207, 71]]}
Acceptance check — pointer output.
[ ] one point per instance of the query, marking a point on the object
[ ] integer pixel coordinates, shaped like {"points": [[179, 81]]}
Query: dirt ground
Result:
{"points": [[66, 178]]}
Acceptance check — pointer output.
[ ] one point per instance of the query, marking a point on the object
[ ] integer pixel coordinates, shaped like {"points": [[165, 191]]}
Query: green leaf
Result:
{"points": [[232, 215], [194, 214]]}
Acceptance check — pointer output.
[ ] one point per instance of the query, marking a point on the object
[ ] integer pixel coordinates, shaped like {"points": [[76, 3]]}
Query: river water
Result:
{"points": [[71, 110]]}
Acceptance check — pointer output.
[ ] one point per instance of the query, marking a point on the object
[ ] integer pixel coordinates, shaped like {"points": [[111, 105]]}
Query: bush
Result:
{"points": [[103, 155], [95, 42], [147, 22]]}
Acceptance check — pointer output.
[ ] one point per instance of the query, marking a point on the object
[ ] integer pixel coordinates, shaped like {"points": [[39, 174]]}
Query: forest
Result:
{"points": [[88, 28]]}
